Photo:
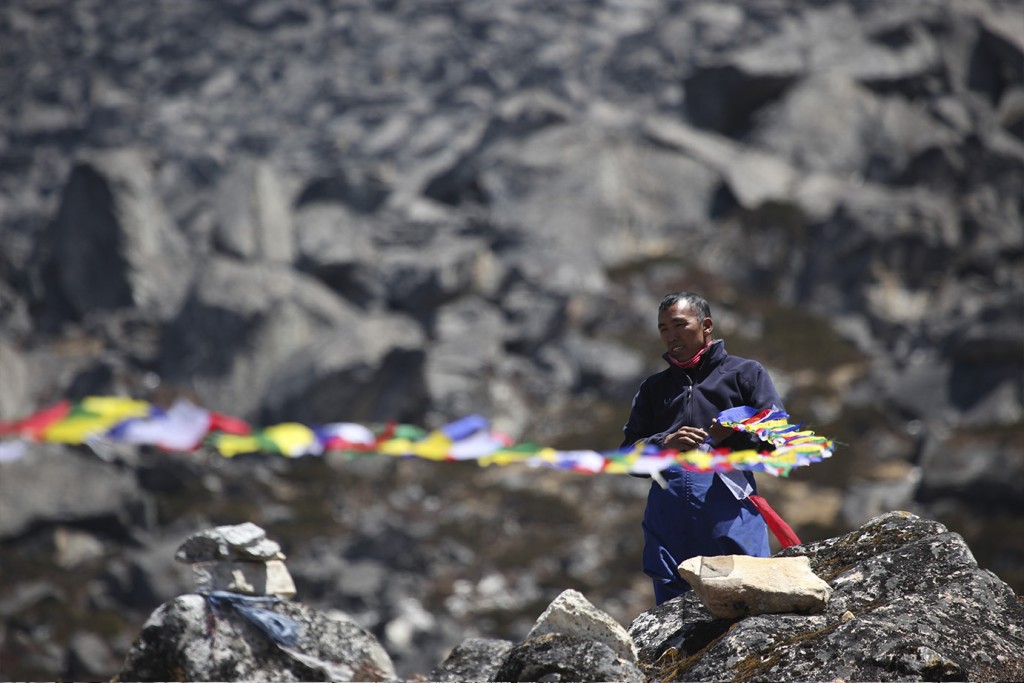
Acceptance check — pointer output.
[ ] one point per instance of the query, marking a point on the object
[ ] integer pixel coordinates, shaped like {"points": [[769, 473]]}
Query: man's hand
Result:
{"points": [[685, 438], [719, 432]]}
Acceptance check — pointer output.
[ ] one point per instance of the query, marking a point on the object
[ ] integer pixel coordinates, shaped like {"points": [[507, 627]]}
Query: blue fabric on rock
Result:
{"points": [[281, 629]]}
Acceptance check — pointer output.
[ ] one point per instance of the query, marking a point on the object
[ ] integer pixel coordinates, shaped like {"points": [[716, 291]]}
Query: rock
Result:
{"points": [[467, 345], [249, 578], [244, 542], [723, 96], [335, 246], [921, 609], [997, 55], [475, 659], [572, 614], [90, 652], [732, 586], [237, 558], [590, 193], [72, 486], [866, 499], [254, 215], [73, 548], [240, 323], [363, 195], [114, 244], [12, 367], [882, 48], [753, 178], [421, 287], [975, 470], [370, 371], [13, 309], [559, 657], [189, 639], [147, 578], [410, 623], [609, 365], [867, 133]]}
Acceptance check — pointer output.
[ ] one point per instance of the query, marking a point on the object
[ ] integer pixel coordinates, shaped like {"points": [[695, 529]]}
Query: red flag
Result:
{"points": [[219, 422], [34, 425]]}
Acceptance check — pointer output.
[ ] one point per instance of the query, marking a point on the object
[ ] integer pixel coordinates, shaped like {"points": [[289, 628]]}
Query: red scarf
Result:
{"points": [[783, 532], [692, 361]]}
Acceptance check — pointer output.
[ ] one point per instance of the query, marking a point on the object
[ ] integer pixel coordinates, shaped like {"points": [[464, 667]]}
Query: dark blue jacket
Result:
{"points": [[675, 397], [697, 514]]}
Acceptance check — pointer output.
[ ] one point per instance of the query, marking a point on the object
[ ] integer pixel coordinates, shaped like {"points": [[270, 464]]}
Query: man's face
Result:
{"points": [[683, 332]]}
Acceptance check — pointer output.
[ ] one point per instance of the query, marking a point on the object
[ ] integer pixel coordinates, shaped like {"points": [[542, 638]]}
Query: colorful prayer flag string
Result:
{"points": [[185, 427]]}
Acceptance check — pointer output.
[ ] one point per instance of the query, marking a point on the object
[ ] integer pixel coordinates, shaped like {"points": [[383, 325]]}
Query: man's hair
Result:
{"points": [[695, 302]]}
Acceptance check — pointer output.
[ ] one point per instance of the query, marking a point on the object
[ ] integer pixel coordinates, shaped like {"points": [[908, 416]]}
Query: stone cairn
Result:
{"points": [[237, 558]]}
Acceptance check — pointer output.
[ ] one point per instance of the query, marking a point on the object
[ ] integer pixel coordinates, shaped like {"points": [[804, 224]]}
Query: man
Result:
{"points": [[695, 513]]}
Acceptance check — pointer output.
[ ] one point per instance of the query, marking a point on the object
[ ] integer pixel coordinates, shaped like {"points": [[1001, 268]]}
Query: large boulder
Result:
{"points": [[368, 372], [263, 336], [910, 603], [195, 639], [864, 133], [335, 246], [254, 215], [114, 244], [594, 192], [571, 640], [558, 656], [71, 485], [475, 659], [572, 614], [467, 346], [16, 380]]}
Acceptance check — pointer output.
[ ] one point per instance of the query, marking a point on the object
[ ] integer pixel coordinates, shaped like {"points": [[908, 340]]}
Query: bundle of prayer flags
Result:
{"points": [[185, 427]]}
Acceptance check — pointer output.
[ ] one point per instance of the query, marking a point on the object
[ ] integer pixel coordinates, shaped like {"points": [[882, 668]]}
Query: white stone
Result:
{"points": [[248, 578], [572, 614], [732, 586]]}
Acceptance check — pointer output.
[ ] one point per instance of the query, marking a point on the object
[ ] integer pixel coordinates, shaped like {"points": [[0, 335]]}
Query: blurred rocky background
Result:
{"points": [[418, 209]]}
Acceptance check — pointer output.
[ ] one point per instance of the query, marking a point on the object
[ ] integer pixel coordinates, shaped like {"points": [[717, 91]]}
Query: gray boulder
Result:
{"points": [[594, 192], [16, 381], [878, 44], [114, 245], [192, 639], [371, 369], [467, 346], [334, 245], [909, 603], [89, 652], [71, 486], [475, 659], [242, 321], [14, 315], [254, 215], [561, 657], [573, 615], [978, 471], [420, 285], [864, 133]]}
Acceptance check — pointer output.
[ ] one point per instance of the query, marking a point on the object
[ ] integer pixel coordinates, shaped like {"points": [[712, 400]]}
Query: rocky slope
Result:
{"points": [[415, 210], [907, 602]]}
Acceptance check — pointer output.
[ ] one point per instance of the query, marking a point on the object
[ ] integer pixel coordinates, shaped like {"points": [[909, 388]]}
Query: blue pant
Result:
{"points": [[695, 515]]}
